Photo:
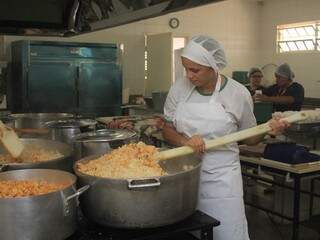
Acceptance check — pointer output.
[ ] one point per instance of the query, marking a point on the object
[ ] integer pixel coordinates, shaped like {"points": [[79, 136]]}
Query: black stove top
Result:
{"points": [[198, 221]]}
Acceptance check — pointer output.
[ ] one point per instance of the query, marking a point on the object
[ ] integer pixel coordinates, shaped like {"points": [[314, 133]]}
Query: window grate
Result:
{"points": [[298, 37]]}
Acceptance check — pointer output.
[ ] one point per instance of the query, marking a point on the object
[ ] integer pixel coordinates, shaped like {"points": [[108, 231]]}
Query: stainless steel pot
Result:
{"points": [[37, 120], [50, 216], [62, 163], [66, 130], [101, 141], [142, 203]]}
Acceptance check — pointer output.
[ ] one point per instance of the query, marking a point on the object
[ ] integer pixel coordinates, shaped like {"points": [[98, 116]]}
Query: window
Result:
{"points": [[299, 37], [178, 44]]}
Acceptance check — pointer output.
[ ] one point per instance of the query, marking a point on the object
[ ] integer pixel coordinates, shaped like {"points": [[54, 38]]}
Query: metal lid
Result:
{"points": [[49, 116], [71, 123], [105, 135]]}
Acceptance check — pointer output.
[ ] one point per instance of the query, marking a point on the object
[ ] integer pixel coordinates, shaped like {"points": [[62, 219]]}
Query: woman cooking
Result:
{"points": [[206, 105]]}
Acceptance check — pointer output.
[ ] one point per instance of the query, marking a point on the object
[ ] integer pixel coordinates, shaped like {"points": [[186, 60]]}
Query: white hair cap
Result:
{"points": [[284, 70], [205, 51]]}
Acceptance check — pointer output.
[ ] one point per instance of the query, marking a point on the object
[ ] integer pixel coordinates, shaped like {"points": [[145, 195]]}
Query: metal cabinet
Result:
{"points": [[80, 78], [50, 86], [99, 81]]}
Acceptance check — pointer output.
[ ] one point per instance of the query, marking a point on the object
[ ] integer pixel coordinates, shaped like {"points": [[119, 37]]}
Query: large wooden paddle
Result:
{"points": [[10, 141], [313, 115]]}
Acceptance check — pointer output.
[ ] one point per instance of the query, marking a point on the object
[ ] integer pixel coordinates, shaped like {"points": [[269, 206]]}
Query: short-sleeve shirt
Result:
{"points": [[295, 90], [233, 96]]}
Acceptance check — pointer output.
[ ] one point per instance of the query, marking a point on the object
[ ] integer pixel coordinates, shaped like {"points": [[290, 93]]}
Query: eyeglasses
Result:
{"points": [[257, 76]]}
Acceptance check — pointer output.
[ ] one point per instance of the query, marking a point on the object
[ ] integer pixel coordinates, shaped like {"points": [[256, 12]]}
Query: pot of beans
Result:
{"points": [[131, 189], [39, 153], [38, 204]]}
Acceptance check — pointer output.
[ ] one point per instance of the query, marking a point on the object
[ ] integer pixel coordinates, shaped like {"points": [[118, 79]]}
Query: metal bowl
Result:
{"points": [[102, 141], [37, 120], [65, 130]]}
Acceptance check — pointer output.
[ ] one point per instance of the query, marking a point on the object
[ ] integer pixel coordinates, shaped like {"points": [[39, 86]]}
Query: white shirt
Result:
{"points": [[234, 97]]}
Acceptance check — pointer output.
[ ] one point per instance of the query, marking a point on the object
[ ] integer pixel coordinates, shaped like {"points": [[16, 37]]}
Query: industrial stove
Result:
{"points": [[198, 221]]}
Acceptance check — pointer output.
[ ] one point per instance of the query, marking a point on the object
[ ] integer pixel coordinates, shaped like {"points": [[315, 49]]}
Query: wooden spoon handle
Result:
{"points": [[234, 137], [10, 141], [32, 130]]}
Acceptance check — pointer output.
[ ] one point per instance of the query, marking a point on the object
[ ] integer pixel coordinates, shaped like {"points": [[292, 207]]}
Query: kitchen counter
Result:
{"points": [[148, 126], [292, 177]]}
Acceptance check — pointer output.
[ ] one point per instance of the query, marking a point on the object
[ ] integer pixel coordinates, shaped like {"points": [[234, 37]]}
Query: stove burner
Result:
{"points": [[198, 221]]}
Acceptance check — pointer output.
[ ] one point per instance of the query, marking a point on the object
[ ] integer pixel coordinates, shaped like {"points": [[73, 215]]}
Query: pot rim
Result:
{"points": [[40, 115], [92, 157], [94, 136], [70, 123], [73, 182]]}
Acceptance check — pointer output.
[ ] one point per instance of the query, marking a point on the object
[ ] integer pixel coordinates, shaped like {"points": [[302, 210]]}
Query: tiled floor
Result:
{"points": [[261, 227]]}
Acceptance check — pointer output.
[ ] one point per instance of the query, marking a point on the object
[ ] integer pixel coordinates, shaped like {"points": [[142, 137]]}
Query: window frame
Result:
{"points": [[281, 42]]}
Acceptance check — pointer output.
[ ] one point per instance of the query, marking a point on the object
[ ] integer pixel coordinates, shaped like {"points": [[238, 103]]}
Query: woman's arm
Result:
{"points": [[277, 127], [275, 99], [171, 135]]}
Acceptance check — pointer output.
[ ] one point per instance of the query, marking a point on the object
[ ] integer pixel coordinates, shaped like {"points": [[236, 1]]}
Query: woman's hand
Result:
{"points": [[278, 126], [260, 98], [197, 143]]}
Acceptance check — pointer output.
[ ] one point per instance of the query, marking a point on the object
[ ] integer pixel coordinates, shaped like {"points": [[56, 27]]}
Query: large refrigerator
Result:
{"points": [[81, 78]]}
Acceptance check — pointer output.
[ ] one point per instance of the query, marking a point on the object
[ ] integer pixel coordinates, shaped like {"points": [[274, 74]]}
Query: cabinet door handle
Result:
{"points": [[77, 86], [27, 89]]}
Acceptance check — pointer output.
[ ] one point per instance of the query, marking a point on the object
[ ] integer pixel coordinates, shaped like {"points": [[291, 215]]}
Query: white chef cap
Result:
{"points": [[205, 51]]}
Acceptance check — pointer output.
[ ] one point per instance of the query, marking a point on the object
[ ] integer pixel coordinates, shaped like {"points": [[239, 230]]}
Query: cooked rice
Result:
{"points": [[32, 154], [13, 188], [131, 161]]}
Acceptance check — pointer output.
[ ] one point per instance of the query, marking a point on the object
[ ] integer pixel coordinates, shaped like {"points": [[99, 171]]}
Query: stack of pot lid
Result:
{"points": [[71, 123], [106, 135]]}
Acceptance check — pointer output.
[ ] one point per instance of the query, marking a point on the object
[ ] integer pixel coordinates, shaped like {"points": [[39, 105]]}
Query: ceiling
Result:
{"points": [[71, 17]]}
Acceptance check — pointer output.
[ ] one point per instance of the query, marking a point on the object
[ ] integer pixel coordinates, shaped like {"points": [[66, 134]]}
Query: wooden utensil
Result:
{"points": [[10, 140], [238, 136], [32, 130]]}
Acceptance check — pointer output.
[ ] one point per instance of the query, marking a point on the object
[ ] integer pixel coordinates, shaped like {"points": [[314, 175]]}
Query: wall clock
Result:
{"points": [[174, 22]]}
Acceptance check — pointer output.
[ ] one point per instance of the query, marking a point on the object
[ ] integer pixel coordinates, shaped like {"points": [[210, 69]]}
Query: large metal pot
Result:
{"points": [[101, 141], [143, 203], [37, 120], [62, 163], [66, 130], [50, 216]]}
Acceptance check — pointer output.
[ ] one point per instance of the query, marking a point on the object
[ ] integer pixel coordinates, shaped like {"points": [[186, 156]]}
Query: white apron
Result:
{"points": [[220, 193]]}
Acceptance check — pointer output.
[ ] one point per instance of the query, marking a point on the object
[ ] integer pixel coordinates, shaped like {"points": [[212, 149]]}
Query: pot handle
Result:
{"points": [[77, 193], [3, 167], [143, 183], [66, 207]]}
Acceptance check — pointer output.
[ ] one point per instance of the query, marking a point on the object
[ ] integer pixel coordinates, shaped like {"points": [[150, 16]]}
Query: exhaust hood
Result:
{"points": [[70, 17]]}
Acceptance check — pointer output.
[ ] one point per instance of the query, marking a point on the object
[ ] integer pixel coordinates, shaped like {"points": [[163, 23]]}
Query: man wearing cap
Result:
{"points": [[286, 95]]}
